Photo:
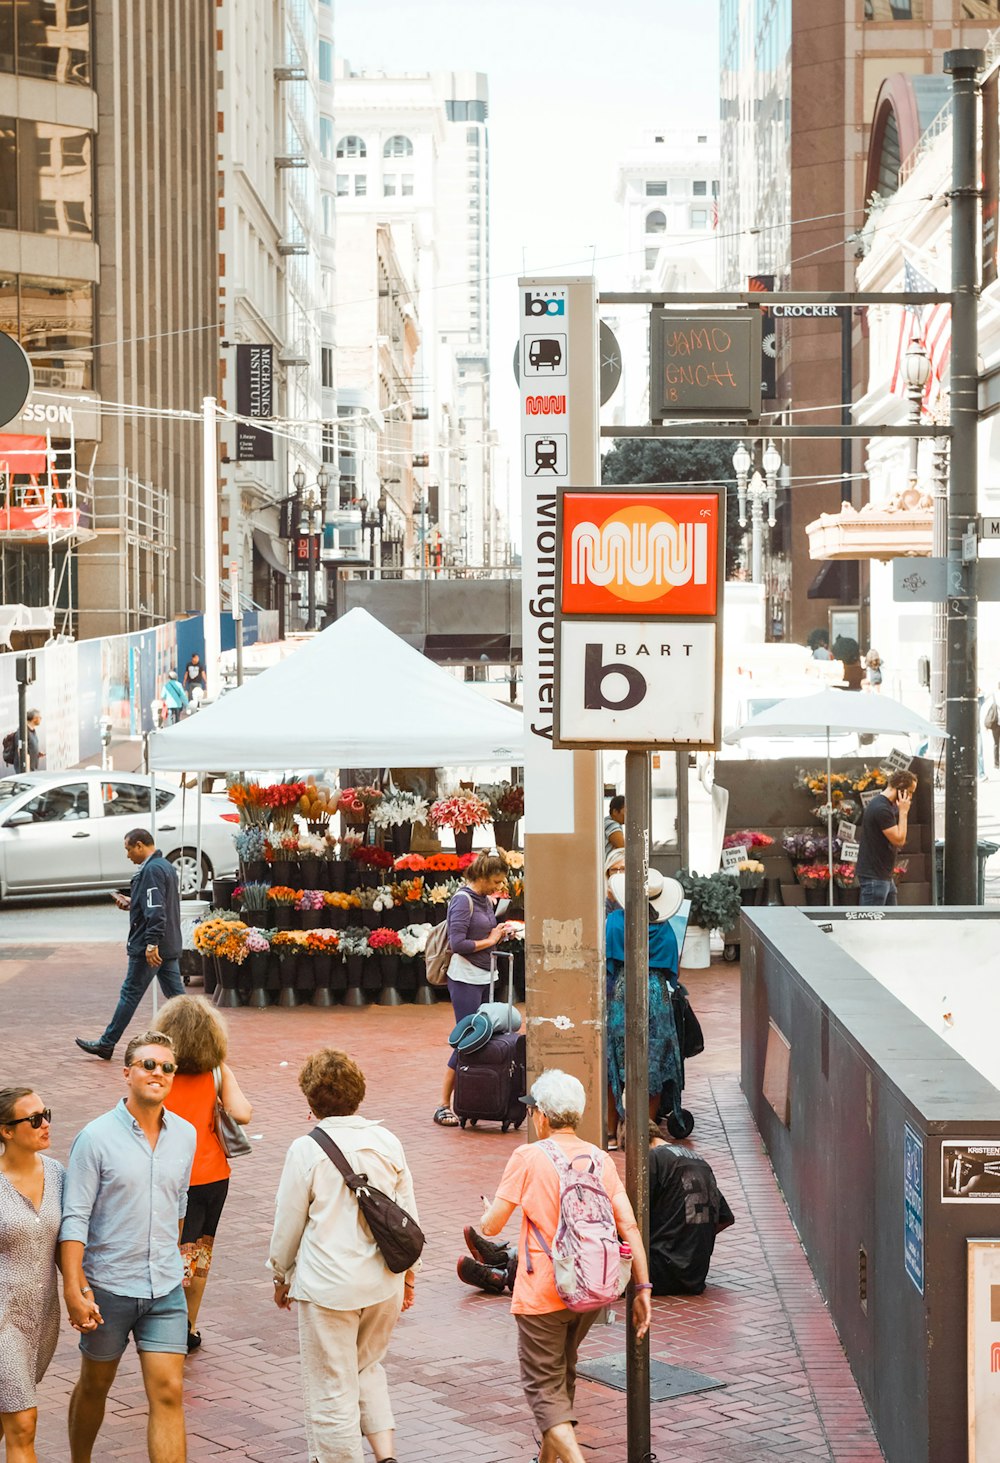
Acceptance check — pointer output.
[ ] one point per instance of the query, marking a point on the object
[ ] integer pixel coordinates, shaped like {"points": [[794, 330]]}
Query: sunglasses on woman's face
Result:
{"points": [[36, 1119]]}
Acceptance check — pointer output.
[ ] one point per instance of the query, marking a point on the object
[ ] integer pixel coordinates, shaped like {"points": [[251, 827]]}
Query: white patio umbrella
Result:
{"points": [[834, 713]]}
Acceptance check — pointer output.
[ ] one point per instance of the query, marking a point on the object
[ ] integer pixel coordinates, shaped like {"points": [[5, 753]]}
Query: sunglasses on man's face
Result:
{"points": [[149, 1065], [36, 1119]]}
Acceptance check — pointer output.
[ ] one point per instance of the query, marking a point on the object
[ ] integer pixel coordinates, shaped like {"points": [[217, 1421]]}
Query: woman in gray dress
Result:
{"points": [[31, 1185]]}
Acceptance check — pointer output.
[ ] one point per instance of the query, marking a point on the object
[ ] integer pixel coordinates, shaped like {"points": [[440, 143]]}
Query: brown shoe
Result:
{"points": [[483, 1277]]}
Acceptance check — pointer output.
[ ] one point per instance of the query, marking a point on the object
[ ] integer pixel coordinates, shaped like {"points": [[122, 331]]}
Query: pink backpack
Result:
{"points": [[585, 1248]]}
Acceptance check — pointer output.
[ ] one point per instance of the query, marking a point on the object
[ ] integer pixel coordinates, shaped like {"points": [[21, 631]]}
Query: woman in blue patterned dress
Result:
{"points": [[31, 1185]]}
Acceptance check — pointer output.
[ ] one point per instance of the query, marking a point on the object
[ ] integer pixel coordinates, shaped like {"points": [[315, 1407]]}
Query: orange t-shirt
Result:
{"points": [[531, 1181], [193, 1097]]}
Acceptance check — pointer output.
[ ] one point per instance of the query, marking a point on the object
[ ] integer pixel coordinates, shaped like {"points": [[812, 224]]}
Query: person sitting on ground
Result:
{"points": [[686, 1212]]}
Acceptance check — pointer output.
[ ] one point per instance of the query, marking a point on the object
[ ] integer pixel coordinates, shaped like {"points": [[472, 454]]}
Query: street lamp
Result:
{"points": [[311, 499], [916, 373], [757, 491], [420, 506], [373, 522]]}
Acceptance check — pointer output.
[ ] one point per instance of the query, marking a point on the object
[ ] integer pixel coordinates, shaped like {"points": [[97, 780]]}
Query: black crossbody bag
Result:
{"points": [[397, 1234]]}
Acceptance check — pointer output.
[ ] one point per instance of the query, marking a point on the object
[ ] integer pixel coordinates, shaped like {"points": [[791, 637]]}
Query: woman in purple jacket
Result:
{"points": [[472, 933]]}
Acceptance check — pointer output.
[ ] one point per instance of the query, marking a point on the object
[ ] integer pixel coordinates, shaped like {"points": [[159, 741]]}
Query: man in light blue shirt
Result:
{"points": [[124, 1199]]}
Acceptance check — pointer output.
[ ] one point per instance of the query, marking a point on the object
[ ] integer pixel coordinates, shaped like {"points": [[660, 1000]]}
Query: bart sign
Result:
{"points": [[638, 624]]}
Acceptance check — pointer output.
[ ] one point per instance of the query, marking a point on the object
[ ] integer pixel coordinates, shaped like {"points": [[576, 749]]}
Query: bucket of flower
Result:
{"points": [[388, 947], [281, 899], [395, 816], [311, 908], [461, 811], [355, 949]]}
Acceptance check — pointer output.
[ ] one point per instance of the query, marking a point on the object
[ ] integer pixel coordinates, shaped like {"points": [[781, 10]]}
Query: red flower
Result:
{"points": [[387, 940]]}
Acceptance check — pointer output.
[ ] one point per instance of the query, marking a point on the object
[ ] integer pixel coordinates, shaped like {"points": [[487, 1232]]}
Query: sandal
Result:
{"points": [[445, 1118]]}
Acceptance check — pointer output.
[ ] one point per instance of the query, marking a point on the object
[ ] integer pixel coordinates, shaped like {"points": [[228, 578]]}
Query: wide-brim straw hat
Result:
{"points": [[665, 895]]}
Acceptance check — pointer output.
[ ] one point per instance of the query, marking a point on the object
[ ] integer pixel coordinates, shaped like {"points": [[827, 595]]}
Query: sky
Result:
{"points": [[573, 85]]}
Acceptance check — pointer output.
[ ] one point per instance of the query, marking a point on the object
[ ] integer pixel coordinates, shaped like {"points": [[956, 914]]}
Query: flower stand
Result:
{"points": [[311, 919], [463, 841], [400, 835], [338, 976], [227, 993], [308, 874], [222, 893], [389, 972], [285, 873], [424, 994], [505, 833], [209, 979], [288, 995], [258, 965], [322, 965], [354, 995]]}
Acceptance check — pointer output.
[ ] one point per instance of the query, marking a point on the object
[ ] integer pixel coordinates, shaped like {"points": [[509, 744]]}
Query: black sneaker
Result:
{"points": [[485, 1250], [483, 1277], [194, 1340], [95, 1049]]}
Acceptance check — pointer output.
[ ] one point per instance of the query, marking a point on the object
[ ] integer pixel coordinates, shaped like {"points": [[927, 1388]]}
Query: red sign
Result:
{"points": [[302, 543], [640, 553]]}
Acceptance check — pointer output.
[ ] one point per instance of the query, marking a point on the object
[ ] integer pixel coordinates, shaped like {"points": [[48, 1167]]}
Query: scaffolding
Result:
{"points": [[138, 514], [43, 504]]}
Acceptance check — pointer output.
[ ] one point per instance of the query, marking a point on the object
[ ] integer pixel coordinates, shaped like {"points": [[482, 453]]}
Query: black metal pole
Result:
{"points": [[846, 393], [23, 760], [311, 582], [962, 709], [637, 805]]}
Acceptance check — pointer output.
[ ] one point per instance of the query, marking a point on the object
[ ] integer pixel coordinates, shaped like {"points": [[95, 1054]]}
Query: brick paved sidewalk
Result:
{"points": [[760, 1327]]}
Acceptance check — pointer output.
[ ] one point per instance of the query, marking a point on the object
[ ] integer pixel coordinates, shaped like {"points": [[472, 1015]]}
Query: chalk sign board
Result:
{"points": [[705, 365]]}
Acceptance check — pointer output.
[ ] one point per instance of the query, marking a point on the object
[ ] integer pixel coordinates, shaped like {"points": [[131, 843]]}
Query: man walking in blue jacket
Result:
{"points": [[154, 938]]}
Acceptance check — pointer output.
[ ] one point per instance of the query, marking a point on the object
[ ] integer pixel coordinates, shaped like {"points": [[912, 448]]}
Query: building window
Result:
{"points": [[351, 147], [343, 185], [42, 38], [976, 10], [326, 137], [699, 188], [465, 111], [406, 185], [46, 179], [328, 214], [360, 185], [699, 218], [54, 321], [325, 61], [656, 222], [326, 366], [914, 10], [702, 136], [651, 257], [329, 438], [398, 147], [715, 187], [388, 185], [472, 136], [656, 188]]}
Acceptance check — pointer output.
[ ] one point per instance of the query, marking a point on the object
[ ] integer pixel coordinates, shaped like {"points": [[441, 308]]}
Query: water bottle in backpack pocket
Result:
{"points": [[586, 1251]]}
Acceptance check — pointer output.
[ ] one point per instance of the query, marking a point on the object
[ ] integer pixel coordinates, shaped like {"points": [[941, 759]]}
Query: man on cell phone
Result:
{"points": [[154, 937], [883, 833]]}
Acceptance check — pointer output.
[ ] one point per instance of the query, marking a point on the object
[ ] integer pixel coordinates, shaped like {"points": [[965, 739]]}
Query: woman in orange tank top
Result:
{"points": [[200, 1044]]}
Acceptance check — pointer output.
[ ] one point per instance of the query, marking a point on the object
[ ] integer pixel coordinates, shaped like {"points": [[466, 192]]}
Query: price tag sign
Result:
{"points": [[847, 831], [849, 853], [866, 797], [897, 761], [733, 857]]}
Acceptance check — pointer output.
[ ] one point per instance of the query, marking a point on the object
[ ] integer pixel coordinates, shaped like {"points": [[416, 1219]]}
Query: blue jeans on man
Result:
{"points": [[138, 979], [878, 891]]}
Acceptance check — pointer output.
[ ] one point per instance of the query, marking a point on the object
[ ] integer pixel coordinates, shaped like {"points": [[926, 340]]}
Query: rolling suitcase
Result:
{"points": [[490, 1083]]}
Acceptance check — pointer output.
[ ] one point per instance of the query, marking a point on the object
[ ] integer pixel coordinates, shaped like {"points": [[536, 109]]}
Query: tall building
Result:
{"points": [[668, 191], [411, 155], [798, 86], [276, 223]]}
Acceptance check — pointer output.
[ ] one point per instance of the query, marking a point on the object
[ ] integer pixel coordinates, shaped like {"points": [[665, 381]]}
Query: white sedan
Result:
{"points": [[66, 830]]}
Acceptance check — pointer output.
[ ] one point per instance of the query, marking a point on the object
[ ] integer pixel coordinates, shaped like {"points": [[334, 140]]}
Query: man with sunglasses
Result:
{"points": [[123, 1207], [154, 938]]}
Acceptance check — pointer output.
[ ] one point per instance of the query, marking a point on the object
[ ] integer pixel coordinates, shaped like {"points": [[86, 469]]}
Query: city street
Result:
{"points": [[760, 1328]]}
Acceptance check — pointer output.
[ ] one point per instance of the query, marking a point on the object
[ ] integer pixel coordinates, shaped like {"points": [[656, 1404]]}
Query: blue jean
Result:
{"points": [[138, 979], [878, 891], [157, 1323]]}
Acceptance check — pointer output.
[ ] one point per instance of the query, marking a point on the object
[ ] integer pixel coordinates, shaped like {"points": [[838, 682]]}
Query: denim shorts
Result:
{"points": [[158, 1323]]}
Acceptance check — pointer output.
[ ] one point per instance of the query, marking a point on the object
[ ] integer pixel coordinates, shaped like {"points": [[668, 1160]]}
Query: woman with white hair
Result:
{"points": [[549, 1334]]}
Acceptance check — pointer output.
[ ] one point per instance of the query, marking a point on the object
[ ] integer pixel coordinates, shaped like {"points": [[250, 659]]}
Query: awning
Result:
{"points": [[267, 547], [837, 579]]}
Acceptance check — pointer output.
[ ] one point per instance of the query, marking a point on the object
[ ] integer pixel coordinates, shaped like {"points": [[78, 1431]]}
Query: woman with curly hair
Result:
{"points": [[201, 1045], [323, 1257]]}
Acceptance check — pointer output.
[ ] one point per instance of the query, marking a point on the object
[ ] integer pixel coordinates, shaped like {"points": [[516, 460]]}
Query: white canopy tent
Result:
{"points": [[356, 696]]}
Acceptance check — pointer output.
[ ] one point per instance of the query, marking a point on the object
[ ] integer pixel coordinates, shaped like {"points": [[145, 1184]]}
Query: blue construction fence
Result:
{"points": [[115, 678]]}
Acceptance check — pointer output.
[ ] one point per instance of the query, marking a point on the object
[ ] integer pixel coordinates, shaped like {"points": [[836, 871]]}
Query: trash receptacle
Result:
{"points": [[984, 850]]}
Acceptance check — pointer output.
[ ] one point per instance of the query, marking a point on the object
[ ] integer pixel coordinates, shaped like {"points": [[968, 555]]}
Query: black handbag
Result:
{"points": [[689, 1032], [397, 1234]]}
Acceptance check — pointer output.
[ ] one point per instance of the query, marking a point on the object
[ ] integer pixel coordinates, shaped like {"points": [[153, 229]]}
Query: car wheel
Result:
{"points": [[185, 861]]}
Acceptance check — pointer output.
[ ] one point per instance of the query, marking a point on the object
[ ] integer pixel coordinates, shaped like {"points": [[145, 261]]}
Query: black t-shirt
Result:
{"points": [[685, 1212], [877, 856]]}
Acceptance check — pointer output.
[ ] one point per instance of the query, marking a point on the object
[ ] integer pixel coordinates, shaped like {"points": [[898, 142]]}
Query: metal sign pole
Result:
{"points": [[637, 802]]}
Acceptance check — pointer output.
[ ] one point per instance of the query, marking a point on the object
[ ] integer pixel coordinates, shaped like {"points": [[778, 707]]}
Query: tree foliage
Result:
{"points": [[635, 460]]}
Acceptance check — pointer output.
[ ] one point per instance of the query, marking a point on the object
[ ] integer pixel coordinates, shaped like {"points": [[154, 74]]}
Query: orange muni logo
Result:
{"points": [[639, 552], [995, 1357]]}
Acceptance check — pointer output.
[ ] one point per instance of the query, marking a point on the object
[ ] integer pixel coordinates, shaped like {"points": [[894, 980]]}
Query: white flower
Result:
{"points": [[400, 807], [414, 939]]}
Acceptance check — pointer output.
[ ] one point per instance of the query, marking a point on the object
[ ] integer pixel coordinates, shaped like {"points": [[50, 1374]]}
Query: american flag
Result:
{"points": [[931, 325]]}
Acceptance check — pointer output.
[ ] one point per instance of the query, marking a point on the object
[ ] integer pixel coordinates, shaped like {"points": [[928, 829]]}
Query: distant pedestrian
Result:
{"points": [[125, 1196], [31, 1187], [154, 942], [324, 1259], [174, 697], [195, 683], [614, 825], [13, 747], [200, 1045], [873, 672], [991, 721], [549, 1334], [819, 644], [883, 834]]}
